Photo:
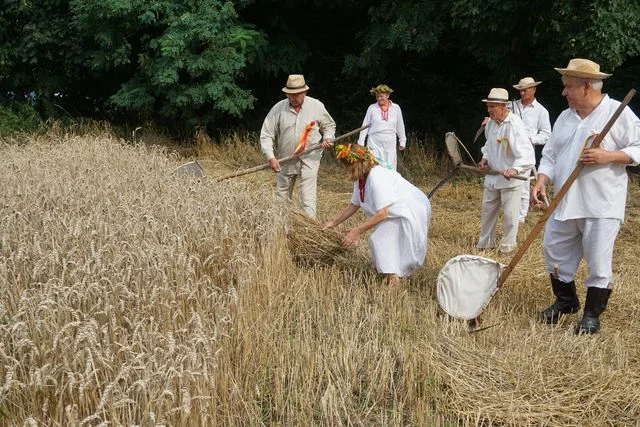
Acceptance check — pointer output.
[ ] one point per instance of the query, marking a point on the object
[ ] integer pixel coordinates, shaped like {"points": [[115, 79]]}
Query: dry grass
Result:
{"points": [[132, 296]]}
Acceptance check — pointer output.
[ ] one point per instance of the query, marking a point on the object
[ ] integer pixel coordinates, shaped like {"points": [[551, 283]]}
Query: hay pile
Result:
{"points": [[311, 246]]}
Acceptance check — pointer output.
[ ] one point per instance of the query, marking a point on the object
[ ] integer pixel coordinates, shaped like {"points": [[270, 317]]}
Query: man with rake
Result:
{"points": [[586, 222], [509, 152]]}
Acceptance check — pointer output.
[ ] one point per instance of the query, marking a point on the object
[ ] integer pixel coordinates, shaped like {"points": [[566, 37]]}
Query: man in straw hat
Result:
{"points": [[284, 126], [508, 151], [536, 122], [587, 220]]}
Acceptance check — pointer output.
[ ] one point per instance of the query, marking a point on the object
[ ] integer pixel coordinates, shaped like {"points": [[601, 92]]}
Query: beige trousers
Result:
{"points": [[308, 187], [493, 199]]}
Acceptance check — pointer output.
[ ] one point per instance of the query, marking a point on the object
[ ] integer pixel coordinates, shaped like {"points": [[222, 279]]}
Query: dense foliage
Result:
{"points": [[220, 63]]}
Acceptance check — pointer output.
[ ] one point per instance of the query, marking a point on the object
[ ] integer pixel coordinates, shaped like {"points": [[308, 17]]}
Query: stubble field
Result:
{"points": [[130, 295]]}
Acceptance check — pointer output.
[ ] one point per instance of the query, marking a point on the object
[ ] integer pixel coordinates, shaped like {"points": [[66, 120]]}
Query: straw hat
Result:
{"points": [[583, 68], [498, 94], [295, 84], [381, 89], [526, 83]]}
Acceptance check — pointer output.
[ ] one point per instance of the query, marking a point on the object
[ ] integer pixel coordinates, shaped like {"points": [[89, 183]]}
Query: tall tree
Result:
{"points": [[185, 59], [179, 61], [39, 54], [446, 55]]}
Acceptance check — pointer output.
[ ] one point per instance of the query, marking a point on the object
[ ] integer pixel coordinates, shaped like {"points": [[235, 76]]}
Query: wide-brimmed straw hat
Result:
{"points": [[583, 68], [295, 84], [381, 89], [497, 94], [526, 83]]}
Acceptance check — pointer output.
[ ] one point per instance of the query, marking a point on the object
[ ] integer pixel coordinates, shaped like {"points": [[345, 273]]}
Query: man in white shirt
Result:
{"points": [[284, 125], [536, 121], [509, 152], [586, 222]]}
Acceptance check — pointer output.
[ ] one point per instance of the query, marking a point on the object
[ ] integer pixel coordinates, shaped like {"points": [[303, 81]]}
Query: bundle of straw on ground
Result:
{"points": [[132, 296], [311, 246]]}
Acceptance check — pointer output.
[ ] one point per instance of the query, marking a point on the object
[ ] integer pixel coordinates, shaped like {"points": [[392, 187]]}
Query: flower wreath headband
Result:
{"points": [[381, 89], [346, 154]]}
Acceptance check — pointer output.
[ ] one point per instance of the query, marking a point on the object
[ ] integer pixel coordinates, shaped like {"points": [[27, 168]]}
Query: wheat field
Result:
{"points": [[132, 295]]}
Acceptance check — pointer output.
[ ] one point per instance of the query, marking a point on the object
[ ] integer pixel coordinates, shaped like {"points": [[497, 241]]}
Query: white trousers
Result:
{"points": [[308, 187], [492, 200], [524, 200], [567, 242]]}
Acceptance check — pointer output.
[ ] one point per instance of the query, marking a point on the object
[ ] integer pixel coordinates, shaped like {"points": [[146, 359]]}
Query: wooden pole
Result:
{"points": [[490, 172], [563, 191], [290, 157]]}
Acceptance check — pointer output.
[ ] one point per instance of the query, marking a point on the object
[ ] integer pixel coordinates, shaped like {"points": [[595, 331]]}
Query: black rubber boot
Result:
{"points": [[567, 301], [595, 304]]}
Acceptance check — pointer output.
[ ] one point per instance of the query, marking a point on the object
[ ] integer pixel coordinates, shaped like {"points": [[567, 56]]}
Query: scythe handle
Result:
{"points": [[490, 172], [562, 192], [290, 157]]}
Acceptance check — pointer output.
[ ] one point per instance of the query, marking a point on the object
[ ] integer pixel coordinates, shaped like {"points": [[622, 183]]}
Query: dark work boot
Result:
{"points": [[594, 305], [567, 301]]}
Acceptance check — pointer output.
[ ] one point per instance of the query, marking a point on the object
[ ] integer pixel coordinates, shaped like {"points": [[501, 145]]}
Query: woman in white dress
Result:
{"points": [[386, 127], [398, 210]]}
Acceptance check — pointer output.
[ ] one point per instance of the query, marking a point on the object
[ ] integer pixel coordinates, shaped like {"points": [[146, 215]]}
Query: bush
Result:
{"points": [[18, 117]]}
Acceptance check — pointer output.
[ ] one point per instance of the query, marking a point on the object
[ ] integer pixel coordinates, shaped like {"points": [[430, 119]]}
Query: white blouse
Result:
{"points": [[600, 191]]}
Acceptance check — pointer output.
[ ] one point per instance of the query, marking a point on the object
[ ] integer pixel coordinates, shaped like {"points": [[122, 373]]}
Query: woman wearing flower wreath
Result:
{"points": [[386, 127], [398, 210]]}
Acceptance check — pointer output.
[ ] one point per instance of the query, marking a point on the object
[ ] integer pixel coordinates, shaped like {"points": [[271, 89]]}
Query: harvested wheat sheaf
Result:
{"points": [[311, 246]]}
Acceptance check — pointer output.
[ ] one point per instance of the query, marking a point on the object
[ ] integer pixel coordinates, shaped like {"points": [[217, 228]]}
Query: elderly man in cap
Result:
{"points": [[536, 121], [508, 151], [587, 220], [285, 125]]}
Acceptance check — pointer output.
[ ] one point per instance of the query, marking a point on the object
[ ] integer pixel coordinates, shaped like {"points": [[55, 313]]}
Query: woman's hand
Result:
{"points": [[351, 238], [328, 225]]}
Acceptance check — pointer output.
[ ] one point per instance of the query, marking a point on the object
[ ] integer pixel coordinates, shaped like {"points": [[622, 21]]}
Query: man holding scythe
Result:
{"points": [[292, 123], [587, 220], [509, 152]]}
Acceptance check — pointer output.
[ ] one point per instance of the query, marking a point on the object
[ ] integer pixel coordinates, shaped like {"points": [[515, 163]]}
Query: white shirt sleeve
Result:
{"points": [[544, 128], [402, 136]]}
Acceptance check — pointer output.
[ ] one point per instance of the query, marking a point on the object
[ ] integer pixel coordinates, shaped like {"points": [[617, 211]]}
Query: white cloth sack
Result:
{"points": [[466, 284]]}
